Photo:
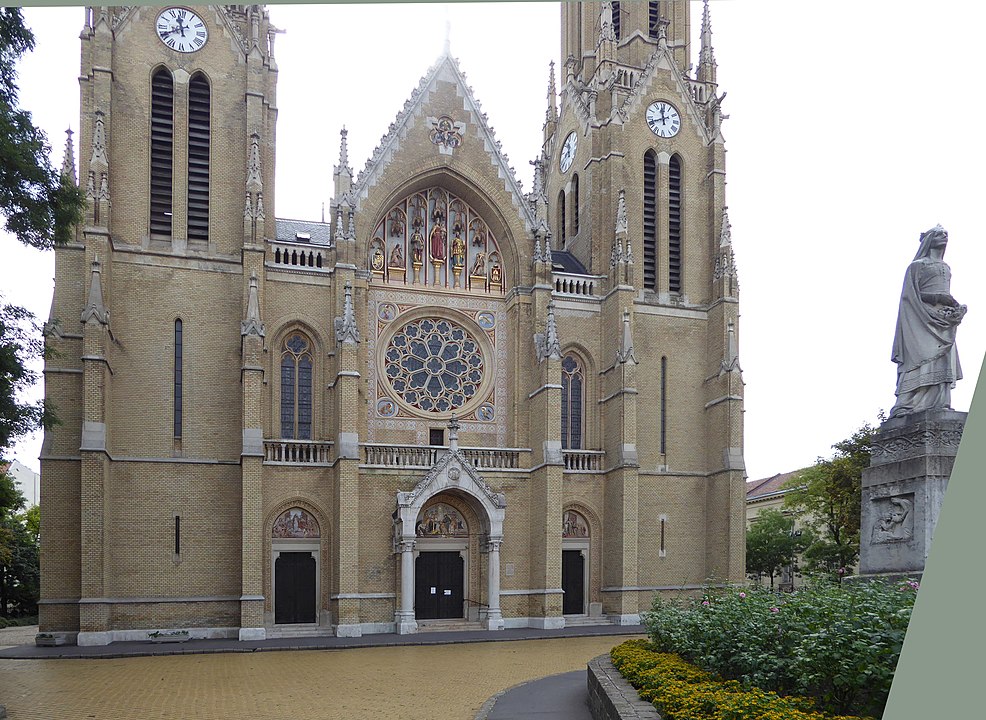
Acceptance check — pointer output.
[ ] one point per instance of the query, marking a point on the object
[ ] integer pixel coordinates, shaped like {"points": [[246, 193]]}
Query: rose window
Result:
{"points": [[434, 365]]}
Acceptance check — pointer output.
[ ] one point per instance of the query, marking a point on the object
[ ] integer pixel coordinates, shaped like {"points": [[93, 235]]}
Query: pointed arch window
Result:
{"points": [[296, 387], [562, 227], [650, 220], [199, 140], [162, 151], [674, 224], [572, 402], [575, 204]]}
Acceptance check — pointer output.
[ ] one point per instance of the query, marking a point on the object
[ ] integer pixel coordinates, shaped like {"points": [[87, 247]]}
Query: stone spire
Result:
{"points": [[95, 311], [606, 45], [252, 324], [725, 264], [626, 353], [68, 162], [346, 331], [706, 57]]}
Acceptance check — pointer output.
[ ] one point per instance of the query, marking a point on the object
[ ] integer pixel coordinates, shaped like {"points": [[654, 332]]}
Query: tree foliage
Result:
{"points": [[828, 498], [19, 572], [773, 544], [39, 204]]}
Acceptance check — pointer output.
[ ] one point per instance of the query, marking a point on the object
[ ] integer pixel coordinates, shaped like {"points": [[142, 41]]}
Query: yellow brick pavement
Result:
{"points": [[447, 681]]}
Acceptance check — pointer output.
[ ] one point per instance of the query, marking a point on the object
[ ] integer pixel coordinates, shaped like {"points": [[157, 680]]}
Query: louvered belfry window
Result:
{"points": [[198, 158], [562, 228], [674, 224], [575, 205], [617, 20], [650, 221], [162, 151], [653, 16]]}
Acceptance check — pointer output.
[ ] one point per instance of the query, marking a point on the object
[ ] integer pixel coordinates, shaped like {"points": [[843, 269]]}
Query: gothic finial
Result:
{"points": [[104, 188], [662, 32], [248, 208], [546, 344], [551, 114], [629, 252], [616, 257], [340, 235], [95, 311], [538, 257], [351, 235], [252, 325], [707, 60], [343, 149], [547, 253], [346, 331], [726, 234], [259, 210], [626, 353], [68, 162]]}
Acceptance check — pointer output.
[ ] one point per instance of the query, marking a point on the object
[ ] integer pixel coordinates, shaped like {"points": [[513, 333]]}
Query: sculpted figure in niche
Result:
{"points": [[417, 245], [437, 239], [397, 257], [895, 523], [924, 343], [479, 267], [458, 251]]}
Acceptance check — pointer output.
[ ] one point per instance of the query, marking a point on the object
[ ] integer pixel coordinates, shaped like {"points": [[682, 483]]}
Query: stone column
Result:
{"points": [[494, 620], [405, 621]]}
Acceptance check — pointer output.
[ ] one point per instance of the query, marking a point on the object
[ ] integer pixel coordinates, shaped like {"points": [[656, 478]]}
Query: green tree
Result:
{"points": [[772, 544], [827, 498], [18, 554], [40, 206]]}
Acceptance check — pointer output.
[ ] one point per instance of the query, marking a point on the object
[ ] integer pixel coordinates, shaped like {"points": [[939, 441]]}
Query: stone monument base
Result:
{"points": [[903, 488]]}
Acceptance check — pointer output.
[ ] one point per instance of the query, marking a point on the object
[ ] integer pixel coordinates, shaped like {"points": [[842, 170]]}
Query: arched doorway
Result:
{"points": [[574, 563], [440, 568], [295, 538]]}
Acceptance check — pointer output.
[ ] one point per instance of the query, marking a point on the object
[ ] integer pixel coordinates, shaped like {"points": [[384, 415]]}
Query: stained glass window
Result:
{"points": [[296, 388], [434, 364], [572, 382]]}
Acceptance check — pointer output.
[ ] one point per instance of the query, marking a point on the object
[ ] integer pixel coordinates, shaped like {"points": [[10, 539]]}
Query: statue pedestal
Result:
{"points": [[903, 488]]}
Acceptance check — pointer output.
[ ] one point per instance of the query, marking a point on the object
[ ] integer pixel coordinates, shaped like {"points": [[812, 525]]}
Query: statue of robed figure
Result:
{"points": [[924, 344]]}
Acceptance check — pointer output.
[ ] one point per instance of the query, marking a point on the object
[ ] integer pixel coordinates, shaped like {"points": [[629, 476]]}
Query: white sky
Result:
{"points": [[853, 127]]}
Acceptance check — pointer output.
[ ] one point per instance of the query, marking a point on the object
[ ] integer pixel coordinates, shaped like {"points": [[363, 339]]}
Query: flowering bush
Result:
{"points": [[838, 644], [681, 691]]}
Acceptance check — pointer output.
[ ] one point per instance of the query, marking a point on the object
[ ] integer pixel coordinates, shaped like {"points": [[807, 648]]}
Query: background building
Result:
{"points": [[448, 401]]}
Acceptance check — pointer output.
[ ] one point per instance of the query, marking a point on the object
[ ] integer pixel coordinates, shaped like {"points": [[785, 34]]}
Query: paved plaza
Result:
{"points": [[410, 681]]}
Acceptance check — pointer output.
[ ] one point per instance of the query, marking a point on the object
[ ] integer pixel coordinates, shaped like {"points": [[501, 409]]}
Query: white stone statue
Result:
{"points": [[924, 344]]}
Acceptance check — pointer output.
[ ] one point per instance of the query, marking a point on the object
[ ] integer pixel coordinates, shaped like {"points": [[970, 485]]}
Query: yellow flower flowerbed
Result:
{"points": [[681, 691]]}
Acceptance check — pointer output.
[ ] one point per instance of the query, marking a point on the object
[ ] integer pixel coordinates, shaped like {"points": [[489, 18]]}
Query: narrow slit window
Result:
{"points": [[650, 220], [179, 361], [575, 205], [663, 551], [177, 534], [561, 218], [162, 152], [664, 405], [674, 224], [199, 139]]}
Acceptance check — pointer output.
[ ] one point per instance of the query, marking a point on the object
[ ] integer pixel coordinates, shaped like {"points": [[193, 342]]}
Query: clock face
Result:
{"points": [[663, 119], [568, 151], [182, 30]]}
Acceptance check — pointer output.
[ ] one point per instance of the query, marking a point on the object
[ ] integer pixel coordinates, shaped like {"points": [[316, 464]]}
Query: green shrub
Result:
{"points": [[681, 691], [838, 644]]}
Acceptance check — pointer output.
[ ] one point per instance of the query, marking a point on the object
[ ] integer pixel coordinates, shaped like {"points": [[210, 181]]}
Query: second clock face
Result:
{"points": [[568, 151], [663, 119], [182, 30]]}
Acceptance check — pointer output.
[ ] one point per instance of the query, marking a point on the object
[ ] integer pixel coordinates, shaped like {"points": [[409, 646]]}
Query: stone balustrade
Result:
{"points": [[298, 452], [583, 460], [297, 256], [424, 456], [580, 285]]}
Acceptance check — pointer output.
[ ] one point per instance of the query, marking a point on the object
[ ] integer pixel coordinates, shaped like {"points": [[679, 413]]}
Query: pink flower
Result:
{"points": [[842, 571], [775, 610], [705, 603], [742, 595]]}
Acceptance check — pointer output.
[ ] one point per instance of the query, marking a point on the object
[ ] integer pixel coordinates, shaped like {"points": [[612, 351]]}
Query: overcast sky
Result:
{"points": [[852, 128]]}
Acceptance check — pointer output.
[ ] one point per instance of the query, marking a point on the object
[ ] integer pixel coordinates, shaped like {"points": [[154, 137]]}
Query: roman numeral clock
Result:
{"points": [[182, 30]]}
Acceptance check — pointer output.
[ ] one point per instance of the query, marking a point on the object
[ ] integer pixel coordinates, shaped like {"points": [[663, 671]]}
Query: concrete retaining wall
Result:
{"points": [[613, 698]]}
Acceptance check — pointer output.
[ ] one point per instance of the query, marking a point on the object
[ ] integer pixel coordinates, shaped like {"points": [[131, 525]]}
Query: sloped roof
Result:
{"points": [[564, 261], [759, 489], [319, 233]]}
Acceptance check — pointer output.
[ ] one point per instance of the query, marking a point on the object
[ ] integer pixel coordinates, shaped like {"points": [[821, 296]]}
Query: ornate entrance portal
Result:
{"points": [[438, 580]]}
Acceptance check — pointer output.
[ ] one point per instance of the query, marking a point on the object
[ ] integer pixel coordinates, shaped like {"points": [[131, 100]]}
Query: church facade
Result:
{"points": [[452, 402]]}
